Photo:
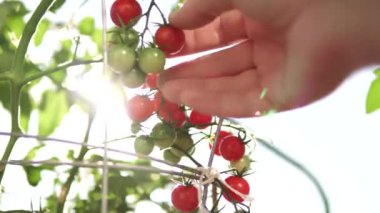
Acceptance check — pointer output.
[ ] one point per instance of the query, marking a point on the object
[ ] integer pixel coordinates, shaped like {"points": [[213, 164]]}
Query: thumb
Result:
{"points": [[196, 13]]}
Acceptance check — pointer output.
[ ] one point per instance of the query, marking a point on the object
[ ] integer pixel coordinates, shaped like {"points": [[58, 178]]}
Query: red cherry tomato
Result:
{"points": [[222, 135], [170, 112], [139, 108], [123, 11], [240, 185], [151, 81], [169, 39], [200, 120], [232, 148], [185, 198]]}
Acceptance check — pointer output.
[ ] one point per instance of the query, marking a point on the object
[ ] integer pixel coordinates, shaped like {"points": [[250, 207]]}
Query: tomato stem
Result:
{"points": [[59, 68], [15, 92], [301, 168], [188, 155], [28, 32], [161, 13], [74, 171], [147, 15]]}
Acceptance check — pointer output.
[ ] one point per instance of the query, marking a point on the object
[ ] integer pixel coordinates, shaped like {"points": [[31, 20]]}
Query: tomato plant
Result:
{"points": [[185, 198], [169, 39], [139, 108], [124, 11], [239, 184]]}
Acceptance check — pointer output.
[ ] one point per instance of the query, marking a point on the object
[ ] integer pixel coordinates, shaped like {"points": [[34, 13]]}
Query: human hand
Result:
{"points": [[297, 51]]}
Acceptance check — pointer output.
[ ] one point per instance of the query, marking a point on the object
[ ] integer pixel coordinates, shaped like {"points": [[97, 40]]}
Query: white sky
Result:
{"points": [[334, 138]]}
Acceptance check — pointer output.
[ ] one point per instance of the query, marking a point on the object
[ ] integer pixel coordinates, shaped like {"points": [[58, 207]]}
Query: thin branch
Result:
{"points": [[301, 168], [118, 166], [59, 68], [161, 13], [147, 15], [74, 171], [101, 147]]}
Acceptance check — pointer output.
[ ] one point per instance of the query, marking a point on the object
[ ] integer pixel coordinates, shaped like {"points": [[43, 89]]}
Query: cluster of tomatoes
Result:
{"points": [[139, 67], [185, 196], [126, 57]]}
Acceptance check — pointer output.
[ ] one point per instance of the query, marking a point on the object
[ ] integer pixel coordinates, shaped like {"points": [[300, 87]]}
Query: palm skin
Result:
{"points": [[296, 51]]}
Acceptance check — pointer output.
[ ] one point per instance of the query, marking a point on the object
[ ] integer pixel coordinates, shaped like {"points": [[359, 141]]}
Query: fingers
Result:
{"points": [[228, 28], [226, 62], [231, 96], [196, 13]]}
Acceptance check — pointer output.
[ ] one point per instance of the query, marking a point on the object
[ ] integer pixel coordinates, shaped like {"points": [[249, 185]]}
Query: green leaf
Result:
{"points": [[56, 5], [62, 55], [87, 26], [16, 23], [15, 8], [117, 185], [33, 152], [33, 174], [3, 15], [70, 154], [373, 96], [53, 107], [67, 44], [377, 72], [26, 107], [41, 30], [97, 37], [50, 167]]}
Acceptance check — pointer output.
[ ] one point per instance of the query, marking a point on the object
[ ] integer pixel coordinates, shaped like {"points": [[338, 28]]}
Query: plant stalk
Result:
{"points": [[29, 30], [14, 106]]}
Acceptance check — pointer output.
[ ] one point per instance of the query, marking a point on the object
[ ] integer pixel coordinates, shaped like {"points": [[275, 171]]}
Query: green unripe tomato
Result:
{"points": [[143, 145], [133, 79], [184, 142], [121, 58], [151, 60], [163, 135], [170, 157], [131, 38], [135, 127], [241, 165]]}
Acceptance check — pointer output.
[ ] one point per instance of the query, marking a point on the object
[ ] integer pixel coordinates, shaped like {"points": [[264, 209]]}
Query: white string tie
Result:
{"points": [[208, 176]]}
